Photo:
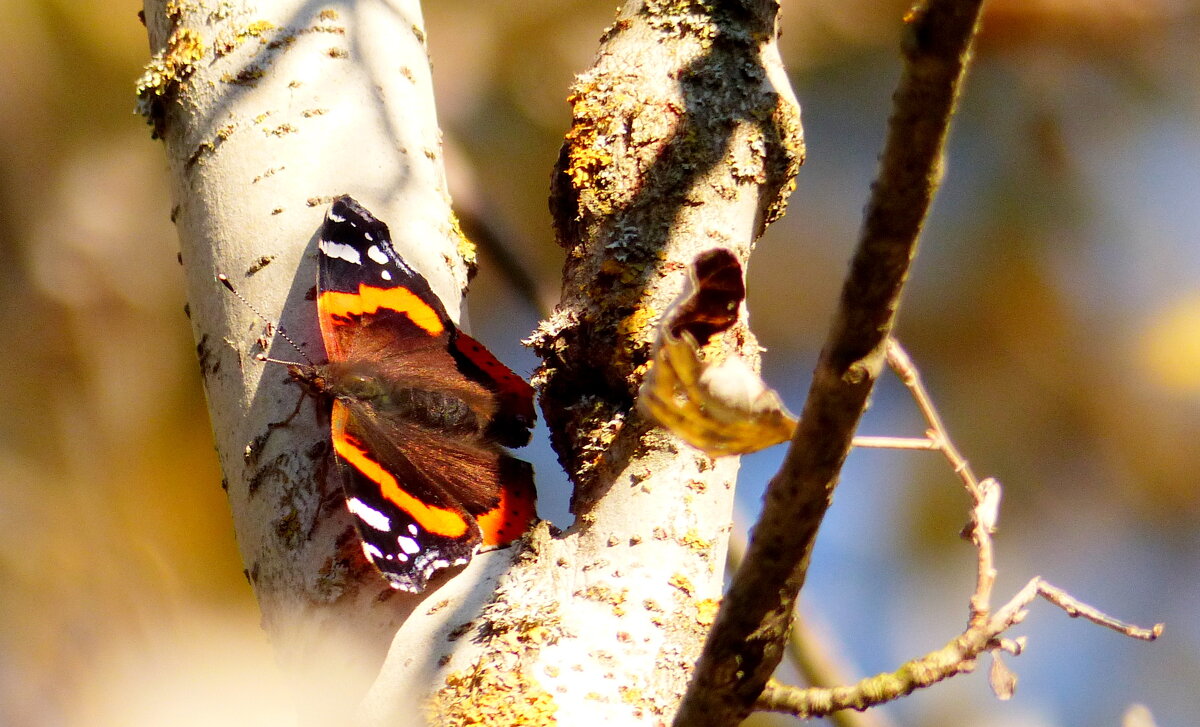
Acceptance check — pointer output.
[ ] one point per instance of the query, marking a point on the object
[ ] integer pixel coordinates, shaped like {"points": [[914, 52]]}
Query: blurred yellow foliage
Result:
{"points": [[1170, 347], [121, 594]]}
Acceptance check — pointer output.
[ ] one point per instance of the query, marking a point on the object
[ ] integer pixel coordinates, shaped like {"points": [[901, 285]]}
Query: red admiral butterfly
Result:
{"points": [[421, 414]]}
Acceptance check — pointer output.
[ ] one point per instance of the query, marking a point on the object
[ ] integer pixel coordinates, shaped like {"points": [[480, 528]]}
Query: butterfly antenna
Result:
{"points": [[271, 324]]}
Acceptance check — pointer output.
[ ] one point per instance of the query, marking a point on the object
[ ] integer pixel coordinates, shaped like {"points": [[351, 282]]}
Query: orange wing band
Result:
{"points": [[369, 300], [507, 521], [437, 520]]}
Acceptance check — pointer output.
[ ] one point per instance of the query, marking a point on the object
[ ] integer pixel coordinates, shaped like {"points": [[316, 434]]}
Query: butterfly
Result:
{"points": [[422, 414]]}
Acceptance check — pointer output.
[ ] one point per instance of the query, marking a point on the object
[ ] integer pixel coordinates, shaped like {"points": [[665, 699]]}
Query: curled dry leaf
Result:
{"points": [[720, 408], [1002, 679]]}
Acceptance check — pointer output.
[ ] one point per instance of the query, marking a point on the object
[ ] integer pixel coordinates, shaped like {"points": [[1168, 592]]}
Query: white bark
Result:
{"points": [[601, 625], [685, 137], [289, 105]]}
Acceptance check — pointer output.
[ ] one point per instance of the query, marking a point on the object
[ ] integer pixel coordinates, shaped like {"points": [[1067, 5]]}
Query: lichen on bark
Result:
{"points": [[684, 136]]}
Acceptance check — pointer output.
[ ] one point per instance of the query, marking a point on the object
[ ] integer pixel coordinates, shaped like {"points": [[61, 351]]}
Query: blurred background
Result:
{"points": [[1054, 311]]}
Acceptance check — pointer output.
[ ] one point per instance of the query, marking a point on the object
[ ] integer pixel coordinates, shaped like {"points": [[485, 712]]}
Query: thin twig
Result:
{"points": [[895, 443], [748, 638], [956, 657], [811, 653], [906, 371], [982, 520], [1078, 609], [984, 629]]}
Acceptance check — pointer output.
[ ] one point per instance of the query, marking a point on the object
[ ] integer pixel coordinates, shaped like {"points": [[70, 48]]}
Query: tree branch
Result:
{"points": [[815, 656], [984, 629], [956, 657], [748, 638], [685, 136], [267, 113]]}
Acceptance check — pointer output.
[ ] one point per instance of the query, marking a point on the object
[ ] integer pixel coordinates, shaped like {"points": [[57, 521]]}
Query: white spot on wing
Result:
{"points": [[368, 514], [386, 275], [377, 255], [340, 251], [408, 545], [412, 529], [334, 216]]}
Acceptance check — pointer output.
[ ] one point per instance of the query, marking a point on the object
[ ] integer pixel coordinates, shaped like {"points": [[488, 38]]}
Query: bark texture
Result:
{"points": [[268, 111], [685, 136]]}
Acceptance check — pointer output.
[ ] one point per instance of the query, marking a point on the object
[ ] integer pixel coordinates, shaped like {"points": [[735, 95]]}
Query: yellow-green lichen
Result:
{"points": [[496, 691], [164, 76], [693, 542], [604, 593], [636, 324], [683, 583], [281, 130], [588, 152], [257, 29], [466, 249], [706, 612], [684, 17], [230, 40], [486, 696]]}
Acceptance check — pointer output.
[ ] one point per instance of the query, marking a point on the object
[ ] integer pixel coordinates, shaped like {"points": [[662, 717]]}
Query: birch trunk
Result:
{"points": [[269, 110], [685, 137]]}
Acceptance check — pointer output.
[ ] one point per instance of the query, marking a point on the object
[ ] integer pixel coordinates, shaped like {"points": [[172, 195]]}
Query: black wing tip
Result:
{"points": [[346, 220], [345, 206], [343, 203], [512, 432]]}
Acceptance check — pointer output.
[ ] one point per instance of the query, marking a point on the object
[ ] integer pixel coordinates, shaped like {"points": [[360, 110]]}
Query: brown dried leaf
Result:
{"points": [[1002, 679], [711, 306], [722, 409]]}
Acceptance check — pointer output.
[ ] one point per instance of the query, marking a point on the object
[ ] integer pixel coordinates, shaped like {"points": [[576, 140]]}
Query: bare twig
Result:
{"points": [[894, 443], [747, 640], [985, 497], [816, 661], [812, 653], [984, 629], [1078, 609]]}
